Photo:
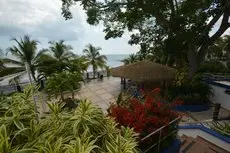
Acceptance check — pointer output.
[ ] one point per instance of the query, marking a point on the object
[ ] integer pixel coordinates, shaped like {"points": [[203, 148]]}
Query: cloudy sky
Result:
{"points": [[42, 20]]}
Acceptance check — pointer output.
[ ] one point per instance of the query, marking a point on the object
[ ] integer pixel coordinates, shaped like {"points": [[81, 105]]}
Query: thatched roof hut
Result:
{"points": [[144, 71]]}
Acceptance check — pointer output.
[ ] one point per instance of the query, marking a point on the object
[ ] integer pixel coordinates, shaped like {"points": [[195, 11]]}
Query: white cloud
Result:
{"points": [[42, 20]]}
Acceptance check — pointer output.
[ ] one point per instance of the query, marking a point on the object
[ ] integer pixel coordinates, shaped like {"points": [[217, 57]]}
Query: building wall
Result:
{"points": [[219, 96]]}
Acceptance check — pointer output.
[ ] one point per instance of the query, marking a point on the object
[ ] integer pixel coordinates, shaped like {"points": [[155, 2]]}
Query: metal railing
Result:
{"points": [[161, 138]]}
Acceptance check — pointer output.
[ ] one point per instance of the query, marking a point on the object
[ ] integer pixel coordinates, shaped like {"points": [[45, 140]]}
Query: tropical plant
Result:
{"points": [[194, 92], [131, 59], [78, 64], [63, 81], [108, 71], [24, 57], [57, 60], [145, 116], [220, 49], [222, 128], [94, 58], [85, 130], [212, 66]]}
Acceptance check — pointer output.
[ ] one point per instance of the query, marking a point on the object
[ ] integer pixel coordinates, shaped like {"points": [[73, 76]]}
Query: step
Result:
{"points": [[210, 145], [196, 147]]}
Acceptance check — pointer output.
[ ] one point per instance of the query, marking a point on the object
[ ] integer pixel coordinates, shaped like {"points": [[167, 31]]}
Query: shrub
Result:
{"points": [[212, 66], [223, 128], [82, 131], [64, 81], [191, 93], [145, 116]]}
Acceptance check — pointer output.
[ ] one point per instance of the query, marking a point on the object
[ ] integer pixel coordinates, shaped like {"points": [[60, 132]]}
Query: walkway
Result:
{"points": [[101, 93]]}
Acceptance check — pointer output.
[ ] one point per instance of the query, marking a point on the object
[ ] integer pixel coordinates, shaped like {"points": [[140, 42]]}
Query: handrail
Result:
{"points": [[149, 135]]}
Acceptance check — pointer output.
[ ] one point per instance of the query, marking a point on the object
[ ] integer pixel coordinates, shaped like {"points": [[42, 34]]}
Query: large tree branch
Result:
{"points": [[210, 40]]}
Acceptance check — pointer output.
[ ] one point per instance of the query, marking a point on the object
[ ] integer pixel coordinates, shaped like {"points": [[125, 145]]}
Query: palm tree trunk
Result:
{"points": [[94, 72], [73, 95], [62, 96], [28, 72], [33, 75]]}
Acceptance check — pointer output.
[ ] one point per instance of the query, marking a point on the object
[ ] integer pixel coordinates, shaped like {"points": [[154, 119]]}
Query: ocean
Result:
{"points": [[115, 60], [112, 61]]}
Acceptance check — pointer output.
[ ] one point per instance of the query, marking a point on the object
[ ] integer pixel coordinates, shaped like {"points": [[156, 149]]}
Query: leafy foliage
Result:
{"points": [[145, 116], [220, 49], [168, 30], [82, 131], [222, 128], [94, 58], [64, 81], [212, 66], [57, 60], [192, 93], [24, 52], [131, 59]]}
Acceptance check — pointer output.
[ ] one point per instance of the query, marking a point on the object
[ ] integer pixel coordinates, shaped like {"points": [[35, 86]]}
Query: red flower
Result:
{"points": [[144, 117], [156, 90]]}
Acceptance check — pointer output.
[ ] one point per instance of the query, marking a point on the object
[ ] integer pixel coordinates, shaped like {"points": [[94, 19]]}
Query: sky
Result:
{"points": [[42, 20]]}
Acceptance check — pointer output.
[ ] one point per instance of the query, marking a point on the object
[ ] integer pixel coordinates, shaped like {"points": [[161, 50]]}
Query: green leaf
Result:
{"points": [[19, 124]]}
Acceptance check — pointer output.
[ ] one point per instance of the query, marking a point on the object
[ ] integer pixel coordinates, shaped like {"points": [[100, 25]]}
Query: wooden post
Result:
{"points": [[216, 111], [124, 84], [19, 89], [87, 75]]}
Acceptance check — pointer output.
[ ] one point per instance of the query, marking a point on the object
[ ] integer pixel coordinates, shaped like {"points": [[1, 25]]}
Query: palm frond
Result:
{"points": [[11, 61], [17, 77], [11, 70], [39, 54]]}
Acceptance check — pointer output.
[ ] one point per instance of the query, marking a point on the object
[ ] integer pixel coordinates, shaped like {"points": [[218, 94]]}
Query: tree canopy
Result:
{"points": [[24, 52], [178, 29]]}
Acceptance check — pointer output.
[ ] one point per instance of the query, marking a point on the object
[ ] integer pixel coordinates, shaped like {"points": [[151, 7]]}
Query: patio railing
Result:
{"points": [[161, 138]]}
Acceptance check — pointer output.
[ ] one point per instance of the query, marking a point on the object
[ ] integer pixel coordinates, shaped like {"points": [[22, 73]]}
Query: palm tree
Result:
{"points": [[131, 59], [220, 50], [24, 57], [78, 64], [94, 58], [57, 60]]}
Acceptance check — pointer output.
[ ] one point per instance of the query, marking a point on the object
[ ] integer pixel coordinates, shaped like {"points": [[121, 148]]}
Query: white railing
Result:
{"points": [[161, 138]]}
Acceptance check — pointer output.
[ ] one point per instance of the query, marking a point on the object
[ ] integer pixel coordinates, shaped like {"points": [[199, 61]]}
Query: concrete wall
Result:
{"points": [[219, 96]]}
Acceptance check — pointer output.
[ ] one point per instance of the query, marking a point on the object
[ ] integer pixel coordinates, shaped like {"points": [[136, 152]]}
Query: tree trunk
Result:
{"points": [[73, 95], [62, 96], [28, 72], [192, 63], [94, 72], [33, 76]]}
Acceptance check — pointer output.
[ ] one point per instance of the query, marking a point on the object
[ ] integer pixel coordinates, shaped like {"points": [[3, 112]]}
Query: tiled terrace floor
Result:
{"points": [[101, 93]]}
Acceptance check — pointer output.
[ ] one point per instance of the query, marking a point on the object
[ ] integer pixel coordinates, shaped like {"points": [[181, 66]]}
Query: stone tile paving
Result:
{"points": [[101, 93]]}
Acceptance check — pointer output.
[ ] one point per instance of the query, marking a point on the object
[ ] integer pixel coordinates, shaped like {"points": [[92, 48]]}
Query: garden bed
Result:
{"points": [[174, 147]]}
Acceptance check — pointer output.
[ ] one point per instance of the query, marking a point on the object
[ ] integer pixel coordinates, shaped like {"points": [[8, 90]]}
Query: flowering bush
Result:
{"points": [[146, 115]]}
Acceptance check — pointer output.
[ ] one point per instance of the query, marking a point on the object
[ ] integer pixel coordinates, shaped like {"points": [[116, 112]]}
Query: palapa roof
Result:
{"points": [[144, 71]]}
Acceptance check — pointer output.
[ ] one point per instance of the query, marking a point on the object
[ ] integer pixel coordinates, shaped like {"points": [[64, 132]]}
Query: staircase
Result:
{"points": [[198, 145]]}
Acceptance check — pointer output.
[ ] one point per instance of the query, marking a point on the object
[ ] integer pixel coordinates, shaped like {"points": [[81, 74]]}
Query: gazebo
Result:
{"points": [[144, 71]]}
